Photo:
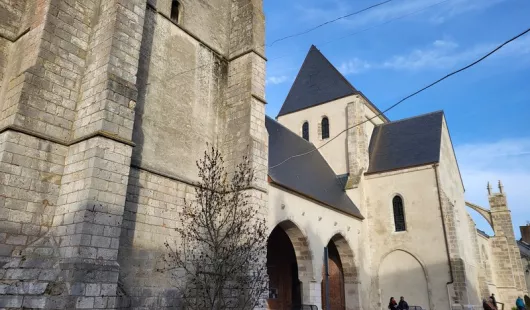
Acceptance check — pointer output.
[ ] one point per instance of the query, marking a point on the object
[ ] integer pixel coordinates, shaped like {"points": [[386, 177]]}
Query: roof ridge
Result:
{"points": [[412, 117], [336, 70], [297, 75]]}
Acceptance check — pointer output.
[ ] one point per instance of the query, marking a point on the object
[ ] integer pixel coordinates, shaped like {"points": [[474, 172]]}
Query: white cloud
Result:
{"points": [[441, 54], [275, 80], [437, 11], [458, 7], [506, 160], [445, 44], [354, 66]]}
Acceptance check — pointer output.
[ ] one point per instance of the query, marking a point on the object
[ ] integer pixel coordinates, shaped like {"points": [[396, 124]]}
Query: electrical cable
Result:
{"points": [[328, 22], [294, 35], [365, 29]]}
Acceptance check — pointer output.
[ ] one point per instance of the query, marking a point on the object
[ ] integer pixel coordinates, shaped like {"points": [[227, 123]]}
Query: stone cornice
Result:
{"points": [[99, 133], [180, 178]]}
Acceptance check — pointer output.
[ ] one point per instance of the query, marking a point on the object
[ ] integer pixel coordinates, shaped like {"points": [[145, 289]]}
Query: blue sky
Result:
{"points": [[395, 49]]}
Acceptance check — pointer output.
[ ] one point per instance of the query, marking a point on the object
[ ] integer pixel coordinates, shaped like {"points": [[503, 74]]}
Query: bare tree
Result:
{"points": [[220, 259]]}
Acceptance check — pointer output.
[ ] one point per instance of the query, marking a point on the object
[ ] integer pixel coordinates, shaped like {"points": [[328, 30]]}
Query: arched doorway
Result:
{"points": [[336, 280], [401, 274], [288, 259], [343, 282]]}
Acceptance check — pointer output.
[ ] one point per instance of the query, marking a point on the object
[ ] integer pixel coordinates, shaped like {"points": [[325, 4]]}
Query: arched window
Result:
{"points": [[325, 128], [175, 11], [305, 131], [399, 214]]}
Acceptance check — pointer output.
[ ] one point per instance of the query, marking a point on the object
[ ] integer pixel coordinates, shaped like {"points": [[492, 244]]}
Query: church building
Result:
{"points": [[387, 200], [105, 106]]}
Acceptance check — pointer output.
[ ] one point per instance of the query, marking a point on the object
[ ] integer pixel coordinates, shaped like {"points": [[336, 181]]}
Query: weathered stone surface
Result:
{"points": [[73, 75]]}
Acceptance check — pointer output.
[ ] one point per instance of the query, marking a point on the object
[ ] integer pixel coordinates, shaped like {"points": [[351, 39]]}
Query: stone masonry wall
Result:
{"points": [[31, 172], [181, 82], [479, 267], [458, 264], [188, 88], [69, 90], [150, 218], [508, 266], [357, 141], [65, 180]]}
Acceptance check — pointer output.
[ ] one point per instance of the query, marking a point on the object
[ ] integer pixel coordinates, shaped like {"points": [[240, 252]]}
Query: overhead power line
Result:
{"points": [[328, 22], [293, 35], [366, 29], [407, 97]]}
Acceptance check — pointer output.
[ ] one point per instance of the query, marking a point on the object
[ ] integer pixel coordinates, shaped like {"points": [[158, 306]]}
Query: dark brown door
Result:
{"points": [[284, 287]]}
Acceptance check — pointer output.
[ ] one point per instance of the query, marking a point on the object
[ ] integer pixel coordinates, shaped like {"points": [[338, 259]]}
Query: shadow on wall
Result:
{"points": [[137, 277]]}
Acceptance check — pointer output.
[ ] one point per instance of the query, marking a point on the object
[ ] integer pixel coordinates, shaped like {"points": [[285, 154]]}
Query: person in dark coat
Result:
{"points": [[493, 301], [392, 305], [487, 304], [403, 305]]}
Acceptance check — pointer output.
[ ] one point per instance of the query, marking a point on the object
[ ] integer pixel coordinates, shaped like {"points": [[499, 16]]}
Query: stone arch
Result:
{"points": [[409, 278], [347, 258], [289, 265], [486, 214], [304, 256], [350, 287]]}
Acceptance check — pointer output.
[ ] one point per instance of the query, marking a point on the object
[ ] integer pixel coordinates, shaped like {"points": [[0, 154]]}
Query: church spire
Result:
{"points": [[317, 82], [489, 188], [501, 187]]}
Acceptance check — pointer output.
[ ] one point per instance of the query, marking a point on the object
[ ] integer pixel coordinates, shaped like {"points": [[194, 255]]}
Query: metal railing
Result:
{"points": [[304, 307]]}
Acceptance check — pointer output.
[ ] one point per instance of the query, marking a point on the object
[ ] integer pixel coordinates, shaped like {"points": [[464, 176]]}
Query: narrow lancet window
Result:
{"points": [[399, 214], [325, 128], [175, 11], [305, 131]]}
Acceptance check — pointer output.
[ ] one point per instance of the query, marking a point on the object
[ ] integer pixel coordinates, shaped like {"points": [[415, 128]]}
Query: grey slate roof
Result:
{"points": [[524, 248], [406, 143], [483, 233], [318, 81], [308, 175]]}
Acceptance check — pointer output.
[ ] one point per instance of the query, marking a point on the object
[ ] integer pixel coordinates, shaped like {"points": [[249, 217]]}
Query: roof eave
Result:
{"points": [[272, 181], [400, 168]]}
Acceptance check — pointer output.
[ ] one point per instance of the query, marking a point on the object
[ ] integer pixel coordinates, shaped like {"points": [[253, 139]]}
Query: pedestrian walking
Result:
{"points": [[392, 305], [487, 305], [519, 303], [494, 301], [403, 305]]}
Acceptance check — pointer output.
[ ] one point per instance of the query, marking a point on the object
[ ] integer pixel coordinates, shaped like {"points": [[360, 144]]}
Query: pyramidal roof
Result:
{"points": [[318, 81]]}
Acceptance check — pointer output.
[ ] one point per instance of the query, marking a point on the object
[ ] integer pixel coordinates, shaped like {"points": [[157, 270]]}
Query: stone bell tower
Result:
{"points": [[510, 275], [104, 107]]}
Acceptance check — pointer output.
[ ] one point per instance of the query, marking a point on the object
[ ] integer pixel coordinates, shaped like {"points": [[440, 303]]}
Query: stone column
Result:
{"points": [[357, 141], [509, 270], [243, 112], [311, 292], [91, 202], [66, 100]]}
